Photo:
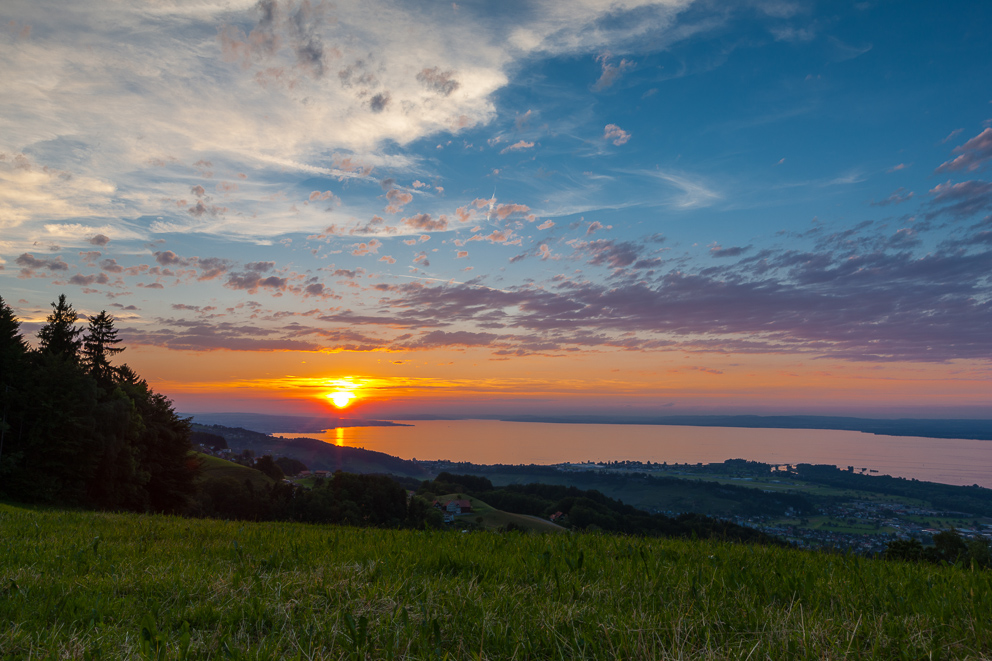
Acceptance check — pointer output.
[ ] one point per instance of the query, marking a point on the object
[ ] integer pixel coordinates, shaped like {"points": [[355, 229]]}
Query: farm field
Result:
{"points": [[97, 585]]}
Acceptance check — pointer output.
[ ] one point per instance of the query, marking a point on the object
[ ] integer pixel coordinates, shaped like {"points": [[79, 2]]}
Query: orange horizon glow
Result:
{"points": [[621, 381]]}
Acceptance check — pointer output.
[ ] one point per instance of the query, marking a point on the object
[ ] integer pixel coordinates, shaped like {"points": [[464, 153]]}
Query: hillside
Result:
{"points": [[97, 585], [490, 518], [316, 454], [214, 469]]}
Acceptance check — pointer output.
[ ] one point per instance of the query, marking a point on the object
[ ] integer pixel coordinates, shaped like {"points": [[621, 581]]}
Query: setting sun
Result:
{"points": [[341, 399]]}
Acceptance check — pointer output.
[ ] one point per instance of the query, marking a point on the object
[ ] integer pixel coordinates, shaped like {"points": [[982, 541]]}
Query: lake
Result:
{"points": [[951, 461]]}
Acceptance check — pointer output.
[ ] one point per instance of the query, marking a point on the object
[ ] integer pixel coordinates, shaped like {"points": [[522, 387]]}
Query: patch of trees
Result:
{"points": [[208, 440], [77, 430], [973, 500], [291, 466], [344, 498], [588, 510], [720, 499], [948, 548]]}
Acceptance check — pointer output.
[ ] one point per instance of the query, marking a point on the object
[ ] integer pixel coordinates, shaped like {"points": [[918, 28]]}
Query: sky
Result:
{"points": [[538, 207]]}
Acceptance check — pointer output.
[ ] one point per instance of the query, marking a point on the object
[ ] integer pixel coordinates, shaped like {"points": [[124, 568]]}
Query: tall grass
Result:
{"points": [[91, 586]]}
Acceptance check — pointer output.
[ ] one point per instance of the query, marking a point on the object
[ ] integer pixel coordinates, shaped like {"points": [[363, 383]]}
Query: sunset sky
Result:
{"points": [[511, 207]]}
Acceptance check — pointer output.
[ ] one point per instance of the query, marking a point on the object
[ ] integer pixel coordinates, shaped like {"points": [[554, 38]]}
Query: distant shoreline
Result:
{"points": [[965, 429], [285, 424]]}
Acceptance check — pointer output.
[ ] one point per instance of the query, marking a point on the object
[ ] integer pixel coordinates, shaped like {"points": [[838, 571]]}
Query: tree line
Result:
{"points": [[77, 430], [588, 510]]}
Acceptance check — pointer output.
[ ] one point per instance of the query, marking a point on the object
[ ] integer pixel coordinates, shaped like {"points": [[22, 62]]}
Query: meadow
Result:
{"points": [[85, 585]]}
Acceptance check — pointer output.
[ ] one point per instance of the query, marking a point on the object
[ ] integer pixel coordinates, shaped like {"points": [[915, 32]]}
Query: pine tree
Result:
{"points": [[13, 348], [13, 354], [59, 336], [99, 344]]}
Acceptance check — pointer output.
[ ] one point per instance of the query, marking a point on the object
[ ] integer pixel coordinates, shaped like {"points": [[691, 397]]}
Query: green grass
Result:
{"points": [[82, 585], [215, 468], [494, 519]]}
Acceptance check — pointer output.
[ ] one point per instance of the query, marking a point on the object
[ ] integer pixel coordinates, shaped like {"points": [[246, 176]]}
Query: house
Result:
{"points": [[459, 506]]}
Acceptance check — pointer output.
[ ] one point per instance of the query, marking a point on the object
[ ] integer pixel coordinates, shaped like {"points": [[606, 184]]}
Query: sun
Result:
{"points": [[341, 398]]}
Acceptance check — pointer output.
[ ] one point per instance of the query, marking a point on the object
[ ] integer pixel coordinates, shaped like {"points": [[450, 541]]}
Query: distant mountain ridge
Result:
{"points": [[291, 424]]}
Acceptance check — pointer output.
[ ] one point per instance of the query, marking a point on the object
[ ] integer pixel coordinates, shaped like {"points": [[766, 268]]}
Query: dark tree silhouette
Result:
{"points": [[13, 357], [77, 431], [60, 336], [99, 344]]}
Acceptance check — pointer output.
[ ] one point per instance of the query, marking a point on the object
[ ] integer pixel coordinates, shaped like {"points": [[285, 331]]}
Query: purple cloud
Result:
{"points": [[972, 154]]}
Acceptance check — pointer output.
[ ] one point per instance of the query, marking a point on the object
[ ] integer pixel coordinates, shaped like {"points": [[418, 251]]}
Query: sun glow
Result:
{"points": [[343, 392], [341, 398]]}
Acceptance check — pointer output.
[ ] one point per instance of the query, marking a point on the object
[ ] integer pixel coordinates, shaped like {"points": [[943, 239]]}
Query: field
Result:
{"points": [[490, 518], [96, 585], [213, 469]]}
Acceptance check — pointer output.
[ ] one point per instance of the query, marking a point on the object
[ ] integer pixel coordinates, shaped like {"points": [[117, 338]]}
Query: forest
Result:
{"points": [[78, 431]]}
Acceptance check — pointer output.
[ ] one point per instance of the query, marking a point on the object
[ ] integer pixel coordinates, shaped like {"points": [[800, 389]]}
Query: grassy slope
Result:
{"points": [[493, 518], [215, 468], [92, 585]]}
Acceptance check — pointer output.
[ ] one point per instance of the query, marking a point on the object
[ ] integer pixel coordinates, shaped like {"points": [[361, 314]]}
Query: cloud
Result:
{"points": [[169, 258], [439, 338], [251, 280], [616, 134], [425, 223], [212, 267], [612, 254], [972, 154], [111, 266], [518, 146], [898, 197], [735, 251], [694, 193], [88, 280], [610, 72], [370, 248], [99, 240], [437, 81], [864, 307], [29, 261], [397, 199], [379, 102], [961, 200]]}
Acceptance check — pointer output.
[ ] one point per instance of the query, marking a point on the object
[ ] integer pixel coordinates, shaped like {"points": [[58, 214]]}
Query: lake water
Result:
{"points": [[951, 461]]}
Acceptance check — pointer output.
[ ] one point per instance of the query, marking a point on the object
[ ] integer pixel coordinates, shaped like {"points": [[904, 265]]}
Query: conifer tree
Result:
{"points": [[60, 336], [99, 345], [13, 348]]}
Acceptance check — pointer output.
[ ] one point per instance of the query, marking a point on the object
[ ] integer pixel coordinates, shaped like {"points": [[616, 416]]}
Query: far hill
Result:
{"points": [[316, 454], [285, 424]]}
